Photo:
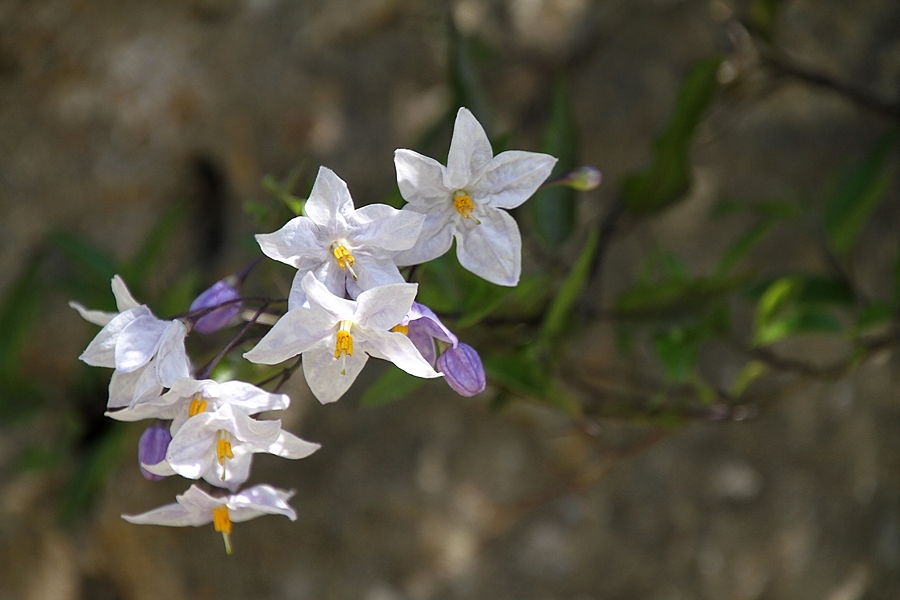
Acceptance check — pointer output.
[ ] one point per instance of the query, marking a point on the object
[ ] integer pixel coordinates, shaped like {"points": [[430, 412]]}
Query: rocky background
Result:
{"points": [[112, 113]]}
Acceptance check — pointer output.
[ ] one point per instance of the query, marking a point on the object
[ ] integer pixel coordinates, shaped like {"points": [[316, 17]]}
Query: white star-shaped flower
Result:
{"points": [[336, 336], [195, 508], [468, 200], [219, 446], [147, 353], [346, 248], [189, 397]]}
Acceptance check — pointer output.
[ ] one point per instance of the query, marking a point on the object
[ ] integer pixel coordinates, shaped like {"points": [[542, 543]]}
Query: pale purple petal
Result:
{"points": [[152, 447], [462, 370], [219, 293], [260, 499]]}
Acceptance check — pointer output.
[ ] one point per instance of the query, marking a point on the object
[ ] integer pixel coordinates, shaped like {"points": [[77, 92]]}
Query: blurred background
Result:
{"points": [[693, 393]]}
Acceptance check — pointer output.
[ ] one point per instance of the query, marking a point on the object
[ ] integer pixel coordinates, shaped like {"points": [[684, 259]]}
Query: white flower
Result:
{"points": [[189, 397], [468, 200], [345, 248], [335, 336], [195, 508], [219, 446], [147, 353]]}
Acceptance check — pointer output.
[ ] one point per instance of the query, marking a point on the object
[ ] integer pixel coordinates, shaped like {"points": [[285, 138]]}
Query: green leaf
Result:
{"points": [[763, 14], [805, 321], [559, 312], [677, 347], [744, 244], [853, 201], [393, 385], [874, 315], [552, 208], [482, 299], [776, 209], [749, 373], [19, 398], [668, 179]]}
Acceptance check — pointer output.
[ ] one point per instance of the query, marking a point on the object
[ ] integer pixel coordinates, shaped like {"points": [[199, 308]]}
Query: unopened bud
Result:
{"points": [[582, 179], [462, 370], [221, 292], [152, 448]]}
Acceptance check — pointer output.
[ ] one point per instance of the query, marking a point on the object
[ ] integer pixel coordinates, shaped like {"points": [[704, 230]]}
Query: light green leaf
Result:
{"points": [[805, 321], [749, 373], [744, 244]]}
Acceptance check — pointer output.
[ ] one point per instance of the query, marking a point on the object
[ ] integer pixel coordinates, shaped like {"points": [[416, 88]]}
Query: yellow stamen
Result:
{"points": [[198, 405], [223, 451], [222, 524], [343, 346], [404, 329], [463, 205], [344, 259]]}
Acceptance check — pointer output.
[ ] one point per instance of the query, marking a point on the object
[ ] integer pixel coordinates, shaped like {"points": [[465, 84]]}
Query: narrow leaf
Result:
{"points": [[560, 311]]}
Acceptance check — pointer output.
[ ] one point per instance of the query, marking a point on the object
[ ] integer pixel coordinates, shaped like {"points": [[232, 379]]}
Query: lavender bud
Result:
{"points": [[219, 293], [462, 370], [152, 447]]}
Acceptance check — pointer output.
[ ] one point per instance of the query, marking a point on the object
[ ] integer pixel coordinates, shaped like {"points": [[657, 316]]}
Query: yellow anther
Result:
{"points": [[222, 524], [223, 451], [344, 344], [197, 406], [404, 329], [463, 205], [344, 259]]}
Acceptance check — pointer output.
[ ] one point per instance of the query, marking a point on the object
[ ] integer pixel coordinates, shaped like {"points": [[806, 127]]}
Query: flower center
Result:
{"points": [[222, 524], [463, 204], [198, 405], [344, 259], [223, 451], [343, 347], [404, 329]]}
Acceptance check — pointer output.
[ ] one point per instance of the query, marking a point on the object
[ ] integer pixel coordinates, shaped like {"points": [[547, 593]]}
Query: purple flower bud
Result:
{"points": [[462, 370], [219, 293], [152, 447]]}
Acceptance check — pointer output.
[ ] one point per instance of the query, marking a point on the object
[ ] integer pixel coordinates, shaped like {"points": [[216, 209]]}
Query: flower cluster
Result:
{"points": [[348, 301]]}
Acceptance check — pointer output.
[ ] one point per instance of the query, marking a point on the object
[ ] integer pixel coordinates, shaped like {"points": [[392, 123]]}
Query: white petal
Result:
{"points": [[386, 228], [470, 150], [397, 348], [145, 410], [236, 470], [323, 371], [121, 388], [513, 177], [299, 244], [383, 307], [289, 445], [147, 387], [493, 249], [124, 299], [328, 199], [434, 241], [138, 342], [101, 352], [171, 514], [420, 179], [172, 362], [97, 317], [162, 468], [250, 398], [260, 499], [295, 332], [373, 272], [318, 293]]}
